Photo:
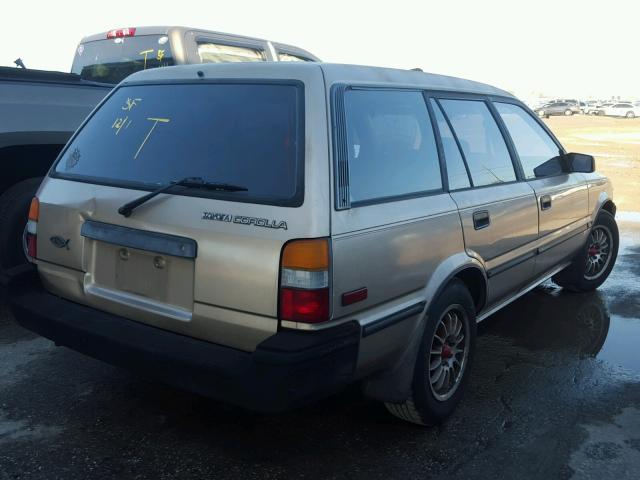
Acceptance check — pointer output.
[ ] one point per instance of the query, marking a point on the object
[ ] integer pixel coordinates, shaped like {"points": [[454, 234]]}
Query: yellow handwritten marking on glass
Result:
{"points": [[160, 55], [155, 123], [121, 122], [130, 103], [146, 53]]}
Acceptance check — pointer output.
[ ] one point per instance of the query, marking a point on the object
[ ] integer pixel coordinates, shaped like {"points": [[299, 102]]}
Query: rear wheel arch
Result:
{"points": [[393, 384], [476, 282]]}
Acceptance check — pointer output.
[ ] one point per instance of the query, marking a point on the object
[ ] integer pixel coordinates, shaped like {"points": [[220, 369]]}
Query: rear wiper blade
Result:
{"points": [[189, 182]]}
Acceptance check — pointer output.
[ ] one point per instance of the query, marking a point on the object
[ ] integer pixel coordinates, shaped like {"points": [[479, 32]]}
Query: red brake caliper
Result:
{"points": [[446, 352]]}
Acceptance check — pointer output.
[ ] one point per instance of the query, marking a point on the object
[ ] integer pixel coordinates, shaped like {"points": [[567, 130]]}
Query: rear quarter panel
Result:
{"points": [[401, 252]]}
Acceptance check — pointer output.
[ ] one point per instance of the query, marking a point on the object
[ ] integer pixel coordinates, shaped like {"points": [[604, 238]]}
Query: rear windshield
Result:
{"points": [[146, 136], [110, 61]]}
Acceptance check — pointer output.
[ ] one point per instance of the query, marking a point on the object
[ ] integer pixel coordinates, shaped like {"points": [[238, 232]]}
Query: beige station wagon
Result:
{"points": [[265, 234]]}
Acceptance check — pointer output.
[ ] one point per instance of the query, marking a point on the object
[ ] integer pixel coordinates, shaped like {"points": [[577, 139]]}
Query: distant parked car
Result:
{"points": [[600, 109], [627, 110], [574, 105], [555, 108], [591, 107]]}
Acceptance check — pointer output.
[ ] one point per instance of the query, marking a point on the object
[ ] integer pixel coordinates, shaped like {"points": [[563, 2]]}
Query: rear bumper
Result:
{"points": [[286, 370]]}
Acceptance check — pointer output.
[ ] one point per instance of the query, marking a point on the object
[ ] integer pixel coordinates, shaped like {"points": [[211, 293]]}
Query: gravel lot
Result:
{"points": [[615, 142]]}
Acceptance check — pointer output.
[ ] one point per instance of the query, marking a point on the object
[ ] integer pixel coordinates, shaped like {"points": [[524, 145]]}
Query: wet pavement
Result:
{"points": [[554, 393]]}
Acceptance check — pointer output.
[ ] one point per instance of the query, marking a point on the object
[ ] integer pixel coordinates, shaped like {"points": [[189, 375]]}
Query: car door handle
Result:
{"points": [[545, 202], [481, 219]]}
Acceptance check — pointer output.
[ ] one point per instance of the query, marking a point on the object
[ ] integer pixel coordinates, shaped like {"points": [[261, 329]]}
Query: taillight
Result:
{"points": [[121, 32], [304, 281], [31, 235]]}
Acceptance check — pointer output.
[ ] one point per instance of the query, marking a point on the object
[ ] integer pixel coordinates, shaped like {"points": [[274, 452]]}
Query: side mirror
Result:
{"points": [[579, 162], [551, 167]]}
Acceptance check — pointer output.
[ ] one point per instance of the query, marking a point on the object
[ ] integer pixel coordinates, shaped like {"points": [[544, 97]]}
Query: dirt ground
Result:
{"points": [[615, 142]]}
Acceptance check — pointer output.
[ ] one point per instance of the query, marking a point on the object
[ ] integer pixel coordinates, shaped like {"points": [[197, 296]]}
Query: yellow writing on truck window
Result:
{"points": [[121, 122], [130, 103], [160, 54], [155, 121], [145, 53]]}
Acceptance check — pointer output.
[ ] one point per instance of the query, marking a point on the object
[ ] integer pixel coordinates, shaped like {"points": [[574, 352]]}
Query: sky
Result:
{"points": [[557, 48]]}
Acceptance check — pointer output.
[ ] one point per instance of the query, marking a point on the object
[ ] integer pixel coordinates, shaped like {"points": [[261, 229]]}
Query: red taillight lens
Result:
{"points": [[32, 245], [308, 306], [31, 238], [121, 32]]}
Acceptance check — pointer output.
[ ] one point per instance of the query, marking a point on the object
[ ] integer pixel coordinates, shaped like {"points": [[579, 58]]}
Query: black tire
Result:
{"points": [[631, 115], [568, 113], [423, 407], [14, 209], [577, 277]]}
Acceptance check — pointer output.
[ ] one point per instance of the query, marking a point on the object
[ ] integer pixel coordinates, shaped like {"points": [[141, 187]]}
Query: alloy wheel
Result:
{"points": [[449, 352], [598, 252]]}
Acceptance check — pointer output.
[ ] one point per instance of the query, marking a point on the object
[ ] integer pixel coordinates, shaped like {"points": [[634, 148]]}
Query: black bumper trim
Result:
{"points": [[385, 322], [286, 370]]}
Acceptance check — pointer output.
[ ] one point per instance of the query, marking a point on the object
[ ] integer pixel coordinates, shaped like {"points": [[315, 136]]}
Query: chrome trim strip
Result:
{"points": [[139, 303], [140, 239]]}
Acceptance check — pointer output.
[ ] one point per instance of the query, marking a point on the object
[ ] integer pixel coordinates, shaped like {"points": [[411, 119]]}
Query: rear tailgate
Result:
{"points": [[201, 263]]}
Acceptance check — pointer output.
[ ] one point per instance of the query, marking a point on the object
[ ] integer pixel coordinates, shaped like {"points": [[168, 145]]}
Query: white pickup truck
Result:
{"points": [[41, 110]]}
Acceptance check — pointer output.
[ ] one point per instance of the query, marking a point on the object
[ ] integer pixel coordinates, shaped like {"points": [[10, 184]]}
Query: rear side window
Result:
{"points": [[482, 143], [456, 171], [210, 52], [111, 60], [392, 149], [534, 146], [290, 57], [146, 136]]}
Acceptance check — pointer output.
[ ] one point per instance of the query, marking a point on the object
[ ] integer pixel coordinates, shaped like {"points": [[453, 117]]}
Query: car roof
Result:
{"points": [[333, 73]]}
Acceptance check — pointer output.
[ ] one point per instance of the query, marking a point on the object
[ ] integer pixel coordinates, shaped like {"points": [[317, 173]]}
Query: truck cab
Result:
{"points": [[111, 56]]}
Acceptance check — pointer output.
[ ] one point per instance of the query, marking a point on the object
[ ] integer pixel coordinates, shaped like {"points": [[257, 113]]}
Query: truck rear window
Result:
{"points": [[145, 136], [110, 61]]}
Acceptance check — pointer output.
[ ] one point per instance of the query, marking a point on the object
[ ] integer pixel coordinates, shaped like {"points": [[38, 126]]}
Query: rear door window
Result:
{"points": [[210, 52], [482, 143], [146, 136], [534, 146], [391, 144]]}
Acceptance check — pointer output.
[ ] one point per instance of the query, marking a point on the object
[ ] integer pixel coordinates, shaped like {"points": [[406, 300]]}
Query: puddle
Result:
{"points": [[12, 430], [621, 344], [604, 324], [550, 319]]}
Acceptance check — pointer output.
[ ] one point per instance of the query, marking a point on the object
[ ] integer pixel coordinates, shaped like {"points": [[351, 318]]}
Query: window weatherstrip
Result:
{"points": [[455, 137], [340, 149], [444, 173]]}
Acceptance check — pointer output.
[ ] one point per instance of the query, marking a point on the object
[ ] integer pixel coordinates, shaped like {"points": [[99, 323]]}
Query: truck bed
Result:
{"points": [[45, 76]]}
